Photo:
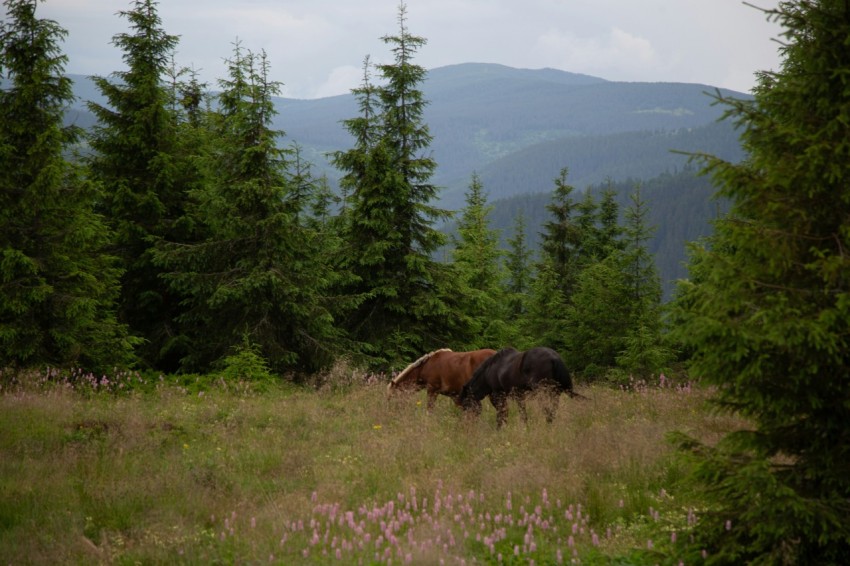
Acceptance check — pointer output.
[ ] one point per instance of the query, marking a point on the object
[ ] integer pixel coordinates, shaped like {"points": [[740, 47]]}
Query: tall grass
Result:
{"points": [[337, 474]]}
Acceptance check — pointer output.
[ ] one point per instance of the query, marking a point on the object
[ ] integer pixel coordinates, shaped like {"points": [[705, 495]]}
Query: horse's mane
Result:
{"points": [[417, 363], [494, 359]]}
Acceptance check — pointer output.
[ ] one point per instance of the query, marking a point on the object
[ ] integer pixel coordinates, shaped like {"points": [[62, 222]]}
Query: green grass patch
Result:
{"points": [[167, 472]]}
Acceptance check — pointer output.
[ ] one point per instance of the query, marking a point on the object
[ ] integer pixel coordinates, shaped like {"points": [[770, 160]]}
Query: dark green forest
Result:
{"points": [[212, 235], [681, 204], [179, 232]]}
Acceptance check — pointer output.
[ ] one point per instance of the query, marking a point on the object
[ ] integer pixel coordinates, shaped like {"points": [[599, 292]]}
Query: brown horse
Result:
{"points": [[440, 372]]}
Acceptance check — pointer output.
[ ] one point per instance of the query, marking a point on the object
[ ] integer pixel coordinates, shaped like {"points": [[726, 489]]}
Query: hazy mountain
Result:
{"points": [[681, 208], [491, 119], [517, 128]]}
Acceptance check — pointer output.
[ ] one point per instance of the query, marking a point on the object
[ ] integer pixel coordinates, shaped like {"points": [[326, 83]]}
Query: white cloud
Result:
{"points": [[340, 81], [615, 55], [313, 45]]}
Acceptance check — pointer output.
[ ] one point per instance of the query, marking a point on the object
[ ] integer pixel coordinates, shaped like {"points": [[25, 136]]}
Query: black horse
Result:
{"points": [[511, 373]]}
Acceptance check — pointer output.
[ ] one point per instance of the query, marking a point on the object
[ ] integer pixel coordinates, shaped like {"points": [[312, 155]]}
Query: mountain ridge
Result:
{"points": [[480, 113], [517, 128]]}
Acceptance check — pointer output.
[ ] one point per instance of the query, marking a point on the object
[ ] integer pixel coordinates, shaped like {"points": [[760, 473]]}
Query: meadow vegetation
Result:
{"points": [[137, 469]]}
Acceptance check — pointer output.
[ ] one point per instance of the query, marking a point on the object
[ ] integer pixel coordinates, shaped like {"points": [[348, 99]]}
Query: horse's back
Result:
{"points": [[450, 371], [547, 364]]}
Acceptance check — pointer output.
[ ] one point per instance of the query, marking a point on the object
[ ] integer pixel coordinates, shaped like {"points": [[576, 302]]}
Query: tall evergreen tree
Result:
{"points": [[562, 236], [588, 249], [545, 321], [477, 257], [643, 352], [609, 230], [257, 277], [409, 299], [57, 285], [638, 264], [557, 270], [597, 318], [767, 313], [518, 267], [135, 160], [614, 316]]}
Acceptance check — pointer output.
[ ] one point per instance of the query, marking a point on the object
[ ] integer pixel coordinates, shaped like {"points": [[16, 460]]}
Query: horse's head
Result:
{"points": [[474, 391], [404, 382], [468, 400], [410, 377]]}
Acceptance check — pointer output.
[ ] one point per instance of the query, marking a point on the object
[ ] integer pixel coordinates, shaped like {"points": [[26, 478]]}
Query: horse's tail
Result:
{"points": [[562, 377]]}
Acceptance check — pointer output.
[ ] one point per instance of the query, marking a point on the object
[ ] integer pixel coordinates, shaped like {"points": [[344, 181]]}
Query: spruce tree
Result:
{"points": [[767, 313], [57, 283], [545, 322], [614, 316], [588, 249], [638, 263], [557, 270], [134, 159], [257, 279], [643, 353], [597, 318], [518, 266], [562, 236], [477, 258], [408, 300], [609, 230]]}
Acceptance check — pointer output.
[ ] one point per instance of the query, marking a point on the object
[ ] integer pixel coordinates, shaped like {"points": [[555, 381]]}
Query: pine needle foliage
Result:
{"points": [[767, 313], [409, 302], [57, 285], [135, 160], [478, 260], [258, 275]]}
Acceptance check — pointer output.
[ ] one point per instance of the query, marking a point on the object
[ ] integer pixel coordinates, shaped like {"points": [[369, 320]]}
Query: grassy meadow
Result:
{"points": [[336, 473]]}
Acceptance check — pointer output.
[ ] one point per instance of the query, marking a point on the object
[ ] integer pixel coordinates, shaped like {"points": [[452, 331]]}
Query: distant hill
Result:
{"points": [[489, 118], [517, 128], [681, 209]]}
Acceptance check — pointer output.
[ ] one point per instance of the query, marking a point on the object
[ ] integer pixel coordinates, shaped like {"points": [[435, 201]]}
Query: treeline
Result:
{"points": [[595, 159], [188, 232], [680, 204]]}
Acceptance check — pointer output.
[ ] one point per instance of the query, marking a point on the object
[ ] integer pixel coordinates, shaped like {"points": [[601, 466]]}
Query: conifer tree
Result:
{"points": [[643, 353], [518, 267], [545, 321], [57, 284], [477, 257], [562, 236], [609, 230], [408, 300], [588, 248], [557, 270], [597, 318], [767, 313], [135, 160], [256, 280], [639, 265]]}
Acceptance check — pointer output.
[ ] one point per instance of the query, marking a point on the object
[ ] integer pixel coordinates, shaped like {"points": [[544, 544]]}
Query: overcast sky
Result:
{"points": [[316, 47]]}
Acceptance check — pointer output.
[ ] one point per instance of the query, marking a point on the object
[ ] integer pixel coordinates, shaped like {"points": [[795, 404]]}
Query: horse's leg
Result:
{"points": [[432, 398], [520, 402], [500, 403], [550, 406]]}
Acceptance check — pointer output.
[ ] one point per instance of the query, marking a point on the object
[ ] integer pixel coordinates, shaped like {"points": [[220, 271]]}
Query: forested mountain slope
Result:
{"points": [[489, 117], [521, 123], [681, 210], [517, 128]]}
